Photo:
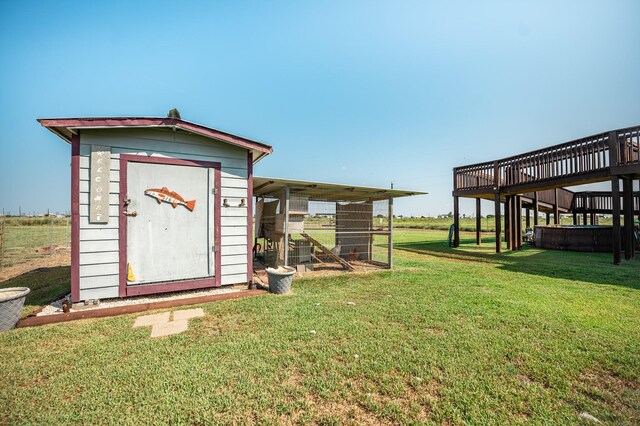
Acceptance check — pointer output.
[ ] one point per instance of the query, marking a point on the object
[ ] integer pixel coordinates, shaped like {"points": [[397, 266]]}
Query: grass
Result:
{"points": [[487, 224], [449, 336], [23, 243], [46, 284]]}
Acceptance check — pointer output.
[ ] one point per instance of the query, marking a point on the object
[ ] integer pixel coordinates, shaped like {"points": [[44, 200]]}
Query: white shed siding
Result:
{"points": [[99, 252]]}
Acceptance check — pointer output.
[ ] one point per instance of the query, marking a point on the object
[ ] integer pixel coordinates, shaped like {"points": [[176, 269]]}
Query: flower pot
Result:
{"points": [[11, 303], [280, 279]]}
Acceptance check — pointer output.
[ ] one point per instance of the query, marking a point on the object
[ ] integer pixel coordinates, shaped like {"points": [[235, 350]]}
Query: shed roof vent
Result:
{"points": [[174, 113]]}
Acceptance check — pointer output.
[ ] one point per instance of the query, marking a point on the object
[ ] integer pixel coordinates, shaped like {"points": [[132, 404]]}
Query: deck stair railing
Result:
{"points": [[599, 202], [576, 158]]}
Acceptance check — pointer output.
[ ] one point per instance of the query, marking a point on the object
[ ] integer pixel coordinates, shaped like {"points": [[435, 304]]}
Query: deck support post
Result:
{"points": [[584, 218], [556, 214], [528, 223], [548, 218], [575, 218], [498, 222], [507, 221], [627, 205], [456, 221], [535, 208], [478, 221], [390, 242], [519, 221], [615, 195]]}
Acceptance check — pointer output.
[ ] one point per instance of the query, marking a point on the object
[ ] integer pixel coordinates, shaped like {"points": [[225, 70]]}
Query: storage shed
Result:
{"points": [[162, 205], [147, 215]]}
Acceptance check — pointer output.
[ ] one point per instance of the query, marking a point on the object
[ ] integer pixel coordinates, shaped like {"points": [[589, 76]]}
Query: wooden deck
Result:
{"points": [[537, 179], [592, 159]]}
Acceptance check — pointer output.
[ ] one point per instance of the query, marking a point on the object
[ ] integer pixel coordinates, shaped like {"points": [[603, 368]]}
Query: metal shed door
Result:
{"points": [[167, 243]]}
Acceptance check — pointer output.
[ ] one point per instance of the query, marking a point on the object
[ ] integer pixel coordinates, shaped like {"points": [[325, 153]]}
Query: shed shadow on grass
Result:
{"points": [[46, 284], [596, 268]]}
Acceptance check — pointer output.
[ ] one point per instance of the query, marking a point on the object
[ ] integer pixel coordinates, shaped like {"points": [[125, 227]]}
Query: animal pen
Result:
{"points": [[315, 226]]}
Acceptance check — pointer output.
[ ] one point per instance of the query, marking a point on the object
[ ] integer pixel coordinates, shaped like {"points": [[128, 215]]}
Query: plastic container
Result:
{"points": [[280, 279], [11, 303]]}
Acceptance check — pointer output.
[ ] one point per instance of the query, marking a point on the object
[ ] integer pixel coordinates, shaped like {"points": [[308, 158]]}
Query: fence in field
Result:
{"points": [[25, 239]]}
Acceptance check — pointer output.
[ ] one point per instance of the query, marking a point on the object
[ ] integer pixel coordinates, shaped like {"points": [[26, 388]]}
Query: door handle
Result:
{"points": [[132, 214]]}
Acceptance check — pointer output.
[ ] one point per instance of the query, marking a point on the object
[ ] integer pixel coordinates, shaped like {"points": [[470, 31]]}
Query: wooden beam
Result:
{"points": [[507, 221], [456, 221], [519, 221], [327, 252], [535, 208], [627, 205], [556, 214], [390, 240], [259, 187]]}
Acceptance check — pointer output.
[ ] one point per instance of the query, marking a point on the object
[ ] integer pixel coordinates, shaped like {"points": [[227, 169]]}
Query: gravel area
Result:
{"points": [[56, 307]]}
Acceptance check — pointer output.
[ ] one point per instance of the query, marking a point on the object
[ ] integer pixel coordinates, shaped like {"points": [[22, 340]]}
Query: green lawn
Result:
{"points": [[46, 284], [449, 336]]}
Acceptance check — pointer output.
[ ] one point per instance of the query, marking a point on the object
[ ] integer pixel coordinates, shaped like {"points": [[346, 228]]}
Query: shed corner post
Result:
{"points": [[456, 221], [285, 242], [498, 222], [250, 240], [478, 221], [390, 242], [75, 218]]}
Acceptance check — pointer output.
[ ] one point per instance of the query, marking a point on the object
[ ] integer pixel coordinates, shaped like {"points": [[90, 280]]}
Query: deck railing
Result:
{"points": [[577, 158], [599, 202]]}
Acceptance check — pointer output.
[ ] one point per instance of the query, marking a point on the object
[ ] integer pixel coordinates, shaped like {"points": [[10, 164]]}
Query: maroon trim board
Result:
{"points": [[143, 289], [249, 217], [75, 218]]}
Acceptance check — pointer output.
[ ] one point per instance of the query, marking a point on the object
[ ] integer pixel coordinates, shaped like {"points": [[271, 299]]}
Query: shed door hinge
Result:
{"points": [[214, 191], [214, 248]]}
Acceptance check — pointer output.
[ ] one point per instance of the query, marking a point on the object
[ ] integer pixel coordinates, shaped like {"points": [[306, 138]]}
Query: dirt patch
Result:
{"points": [[58, 258], [607, 388]]}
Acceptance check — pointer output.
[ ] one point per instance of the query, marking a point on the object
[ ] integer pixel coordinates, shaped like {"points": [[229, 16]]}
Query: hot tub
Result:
{"points": [[575, 238]]}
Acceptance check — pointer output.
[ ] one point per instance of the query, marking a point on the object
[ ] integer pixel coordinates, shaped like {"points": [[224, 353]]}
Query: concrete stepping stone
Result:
{"points": [[162, 324], [169, 328], [150, 320]]}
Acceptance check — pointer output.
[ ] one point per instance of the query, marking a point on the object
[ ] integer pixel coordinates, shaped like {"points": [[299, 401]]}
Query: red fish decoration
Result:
{"points": [[173, 198]]}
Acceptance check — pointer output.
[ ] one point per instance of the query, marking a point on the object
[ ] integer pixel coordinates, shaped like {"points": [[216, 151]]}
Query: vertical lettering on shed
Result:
{"points": [[99, 184]]}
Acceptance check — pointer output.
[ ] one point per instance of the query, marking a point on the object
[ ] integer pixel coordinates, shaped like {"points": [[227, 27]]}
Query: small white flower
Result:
{"points": [[356, 356], [313, 332], [351, 303]]}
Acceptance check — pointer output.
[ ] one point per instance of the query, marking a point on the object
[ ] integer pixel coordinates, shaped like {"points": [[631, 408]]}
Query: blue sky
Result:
{"points": [[351, 92]]}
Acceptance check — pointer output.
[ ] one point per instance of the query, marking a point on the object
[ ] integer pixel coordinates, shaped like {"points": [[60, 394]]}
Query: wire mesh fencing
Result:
{"points": [[24, 239], [322, 230]]}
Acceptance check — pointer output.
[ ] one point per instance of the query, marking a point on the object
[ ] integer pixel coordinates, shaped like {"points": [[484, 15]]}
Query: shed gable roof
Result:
{"points": [[66, 127]]}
